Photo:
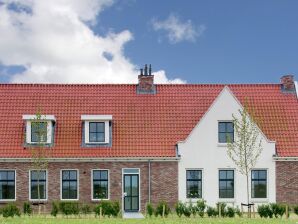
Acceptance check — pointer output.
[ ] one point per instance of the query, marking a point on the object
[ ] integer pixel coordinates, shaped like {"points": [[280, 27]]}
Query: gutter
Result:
{"points": [[296, 88], [92, 159], [278, 158], [149, 181]]}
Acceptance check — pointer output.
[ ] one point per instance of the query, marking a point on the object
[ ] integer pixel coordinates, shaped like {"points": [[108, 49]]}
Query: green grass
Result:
{"points": [[170, 220]]}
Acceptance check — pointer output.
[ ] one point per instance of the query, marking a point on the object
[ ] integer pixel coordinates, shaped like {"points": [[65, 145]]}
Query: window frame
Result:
{"points": [[251, 180], [219, 179], [29, 132], [30, 198], [92, 196], [96, 132], [186, 179], [218, 131], [61, 185], [106, 131], [15, 185]]}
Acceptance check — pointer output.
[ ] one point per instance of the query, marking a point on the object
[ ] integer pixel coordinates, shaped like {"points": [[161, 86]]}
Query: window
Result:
{"points": [[96, 131], [226, 184], [69, 184], [39, 132], [7, 185], [194, 184], [225, 132], [259, 184], [39, 129], [100, 184], [38, 180]]}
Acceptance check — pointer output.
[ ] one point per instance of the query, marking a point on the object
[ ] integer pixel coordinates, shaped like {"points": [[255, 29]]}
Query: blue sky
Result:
{"points": [[221, 42]]}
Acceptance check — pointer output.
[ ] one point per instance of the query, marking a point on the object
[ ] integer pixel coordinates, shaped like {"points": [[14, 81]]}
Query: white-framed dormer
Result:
{"points": [[47, 120], [96, 129]]}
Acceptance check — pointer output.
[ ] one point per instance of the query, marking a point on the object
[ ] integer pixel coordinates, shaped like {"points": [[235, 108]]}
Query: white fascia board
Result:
{"points": [[96, 117], [43, 117], [296, 87], [293, 158]]}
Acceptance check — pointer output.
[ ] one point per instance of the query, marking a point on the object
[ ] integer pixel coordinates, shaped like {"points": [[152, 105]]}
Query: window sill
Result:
{"points": [[69, 199], [7, 200], [259, 200], [228, 200], [222, 144], [102, 199]]}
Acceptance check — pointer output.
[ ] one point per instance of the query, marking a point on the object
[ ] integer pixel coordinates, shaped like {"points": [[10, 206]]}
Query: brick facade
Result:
{"points": [[287, 182], [164, 182]]}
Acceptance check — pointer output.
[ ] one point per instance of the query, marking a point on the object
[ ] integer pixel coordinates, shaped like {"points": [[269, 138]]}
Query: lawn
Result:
{"points": [[172, 220]]}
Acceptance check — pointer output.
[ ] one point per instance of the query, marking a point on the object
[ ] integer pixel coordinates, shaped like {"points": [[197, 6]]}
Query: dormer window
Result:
{"points": [[96, 129], [39, 130]]}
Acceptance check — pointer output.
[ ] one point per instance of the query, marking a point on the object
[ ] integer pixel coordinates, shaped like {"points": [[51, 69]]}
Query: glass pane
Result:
{"points": [[222, 138], [34, 190], [104, 174], [222, 194], [230, 185], [100, 189], [221, 127], [134, 187], [192, 189], [3, 175], [230, 194], [65, 175], [73, 174], [11, 191], [193, 174], [230, 127], [259, 189], [92, 127], [100, 137], [229, 137], [230, 174], [222, 185], [132, 171], [92, 137], [72, 190], [262, 174], [38, 131], [96, 174], [127, 187], [127, 203], [222, 174], [10, 175], [100, 127], [135, 203]]}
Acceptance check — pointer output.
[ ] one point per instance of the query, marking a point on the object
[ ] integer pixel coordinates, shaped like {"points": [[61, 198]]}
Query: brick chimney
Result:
{"points": [[146, 81], [287, 83]]}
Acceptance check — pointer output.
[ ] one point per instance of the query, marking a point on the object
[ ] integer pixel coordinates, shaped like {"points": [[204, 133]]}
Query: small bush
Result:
{"points": [[238, 212], [159, 209], [201, 205], [27, 208], [230, 212], [278, 209], [265, 211], [69, 208], [211, 212], [109, 208], [179, 208], [223, 210], [55, 209], [86, 209], [187, 210], [149, 209], [10, 210], [296, 209]]}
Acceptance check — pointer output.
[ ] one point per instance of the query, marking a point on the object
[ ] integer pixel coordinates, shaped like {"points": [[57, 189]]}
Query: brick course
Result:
{"points": [[164, 180], [287, 182]]}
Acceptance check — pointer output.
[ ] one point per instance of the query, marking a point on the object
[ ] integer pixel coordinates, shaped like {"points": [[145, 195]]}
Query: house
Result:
{"points": [[144, 143]]}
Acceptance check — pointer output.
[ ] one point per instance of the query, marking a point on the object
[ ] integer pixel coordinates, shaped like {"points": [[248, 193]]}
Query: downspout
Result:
{"points": [[149, 181], [296, 88]]}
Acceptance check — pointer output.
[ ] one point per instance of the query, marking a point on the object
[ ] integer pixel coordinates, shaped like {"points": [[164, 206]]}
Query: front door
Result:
{"points": [[131, 192]]}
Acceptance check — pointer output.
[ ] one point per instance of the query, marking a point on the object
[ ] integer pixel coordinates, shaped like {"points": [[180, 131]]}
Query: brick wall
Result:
{"points": [[164, 180], [287, 182]]}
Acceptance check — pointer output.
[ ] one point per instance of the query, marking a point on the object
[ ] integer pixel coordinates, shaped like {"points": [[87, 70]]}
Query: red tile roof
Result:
{"points": [[143, 125]]}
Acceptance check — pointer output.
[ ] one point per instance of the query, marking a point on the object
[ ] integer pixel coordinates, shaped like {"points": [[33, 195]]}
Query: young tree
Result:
{"points": [[39, 151], [247, 145]]}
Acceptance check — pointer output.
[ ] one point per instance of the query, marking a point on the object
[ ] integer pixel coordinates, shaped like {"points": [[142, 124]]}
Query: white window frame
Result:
{"points": [[100, 199], [97, 118], [15, 186], [47, 188], [227, 200], [43, 118], [223, 144], [78, 185], [202, 173]]}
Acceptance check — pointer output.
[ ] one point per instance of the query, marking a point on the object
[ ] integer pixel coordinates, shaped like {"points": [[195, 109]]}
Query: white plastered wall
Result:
{"points": [[201, 150]]}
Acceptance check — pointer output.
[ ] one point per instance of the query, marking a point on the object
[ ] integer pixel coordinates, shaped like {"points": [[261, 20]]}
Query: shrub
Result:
{"points": [[223, 209], [238, 212], [159, 209], [296, 209], [179, 208], [265, 211], [278, 209], [230, 212], [109, 208], [150, 209], [10, 210], [187, 210], [201, 205], [55, 209], [86, 209], [69, 208], [211, 212], [27, 208]]}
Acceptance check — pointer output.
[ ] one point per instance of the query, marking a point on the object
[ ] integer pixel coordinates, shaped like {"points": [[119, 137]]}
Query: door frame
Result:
{"points": [[122, 195]]}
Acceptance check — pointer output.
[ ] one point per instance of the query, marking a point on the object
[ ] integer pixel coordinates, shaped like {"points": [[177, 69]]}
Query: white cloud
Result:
{"points": [[53, 41], [177, 30]]}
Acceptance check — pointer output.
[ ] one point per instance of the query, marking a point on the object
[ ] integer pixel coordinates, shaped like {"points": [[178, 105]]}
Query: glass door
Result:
{"points": [[131, 192]]}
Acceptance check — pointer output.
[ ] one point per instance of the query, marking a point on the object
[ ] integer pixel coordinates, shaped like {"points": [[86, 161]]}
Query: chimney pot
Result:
{"points": [[146, 82], [287, 83]]}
